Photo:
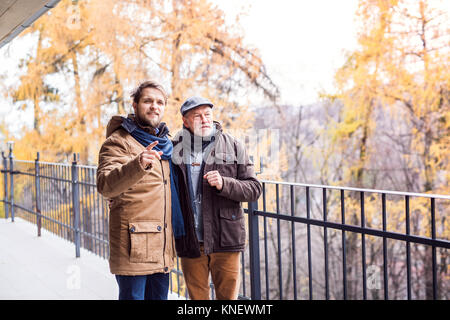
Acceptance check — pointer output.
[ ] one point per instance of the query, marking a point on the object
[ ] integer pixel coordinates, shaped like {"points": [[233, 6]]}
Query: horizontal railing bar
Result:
{"points": [[24, 161], [55, 164], [86, 166], [43, 216], [178, 272], [87, 184], [25, 173], [23, 208], [91, 235], [391, 192], [43, 176], [44, 163], [54, 178], [57, 222], [398, 193], [367, 231], [57, 179]]}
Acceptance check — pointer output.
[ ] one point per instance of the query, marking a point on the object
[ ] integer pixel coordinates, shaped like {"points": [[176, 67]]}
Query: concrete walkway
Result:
{"points": [[45, 267]]}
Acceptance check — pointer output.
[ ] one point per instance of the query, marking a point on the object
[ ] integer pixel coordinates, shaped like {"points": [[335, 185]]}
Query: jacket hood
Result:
{"points": [[113, 124], [116, 123]]}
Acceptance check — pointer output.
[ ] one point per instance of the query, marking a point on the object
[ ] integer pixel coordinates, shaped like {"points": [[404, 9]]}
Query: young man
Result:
{"points": [[134, 174], [215, 175]]}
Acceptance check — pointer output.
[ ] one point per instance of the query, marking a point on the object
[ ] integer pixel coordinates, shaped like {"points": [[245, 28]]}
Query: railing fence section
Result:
{"points": [[304, 241]]}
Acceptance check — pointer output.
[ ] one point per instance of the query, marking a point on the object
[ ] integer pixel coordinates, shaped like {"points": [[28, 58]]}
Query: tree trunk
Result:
{"points": [[81, 118]]}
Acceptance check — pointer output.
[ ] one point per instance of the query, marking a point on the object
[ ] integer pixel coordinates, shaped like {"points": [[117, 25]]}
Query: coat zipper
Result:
{"points": [[165, 212]]}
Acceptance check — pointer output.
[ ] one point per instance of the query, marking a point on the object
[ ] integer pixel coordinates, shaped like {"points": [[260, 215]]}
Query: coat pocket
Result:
{"points": [[232, 227], [146, 241]]}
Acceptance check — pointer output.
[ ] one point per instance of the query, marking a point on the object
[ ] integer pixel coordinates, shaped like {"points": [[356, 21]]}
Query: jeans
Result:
{"points": [[147, 287]]}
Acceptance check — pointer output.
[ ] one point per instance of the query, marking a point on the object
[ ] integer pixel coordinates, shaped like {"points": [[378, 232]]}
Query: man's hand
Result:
{"points": [[214, 179], [150, 156]]}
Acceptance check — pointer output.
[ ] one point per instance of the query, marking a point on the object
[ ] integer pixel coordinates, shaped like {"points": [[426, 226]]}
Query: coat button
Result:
{"points": [[159, 228], [132, 229]]}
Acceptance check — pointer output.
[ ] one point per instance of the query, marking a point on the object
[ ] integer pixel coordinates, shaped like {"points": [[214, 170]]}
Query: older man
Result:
{"points": [[134, 174], [215, 175]]}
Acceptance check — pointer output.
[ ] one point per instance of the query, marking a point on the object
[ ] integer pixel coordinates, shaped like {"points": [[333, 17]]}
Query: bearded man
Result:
{"points": [[134, 173]]}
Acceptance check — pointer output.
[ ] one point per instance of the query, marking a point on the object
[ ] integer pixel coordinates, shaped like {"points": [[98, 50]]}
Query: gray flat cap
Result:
{"points": [[194, 102]]}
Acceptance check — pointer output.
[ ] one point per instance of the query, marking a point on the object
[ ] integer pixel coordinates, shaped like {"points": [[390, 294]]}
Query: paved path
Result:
{"points": [[45, 267]]}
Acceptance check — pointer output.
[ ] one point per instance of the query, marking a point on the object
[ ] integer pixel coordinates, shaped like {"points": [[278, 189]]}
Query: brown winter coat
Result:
{"points": [[223, 216], [140, 228]]}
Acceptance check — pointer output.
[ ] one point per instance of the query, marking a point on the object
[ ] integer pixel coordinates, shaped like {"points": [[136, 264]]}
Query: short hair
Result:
{"points": [[136, 94]]}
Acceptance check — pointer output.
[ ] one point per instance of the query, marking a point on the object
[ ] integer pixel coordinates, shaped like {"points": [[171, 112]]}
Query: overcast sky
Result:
{"points": [[302, 42]]}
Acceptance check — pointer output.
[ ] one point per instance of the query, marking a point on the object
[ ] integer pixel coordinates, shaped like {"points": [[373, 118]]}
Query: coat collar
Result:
{"points": [[117, 122]]}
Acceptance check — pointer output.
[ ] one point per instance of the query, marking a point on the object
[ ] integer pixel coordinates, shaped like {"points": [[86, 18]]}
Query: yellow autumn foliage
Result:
{"points": [[89, 55]]}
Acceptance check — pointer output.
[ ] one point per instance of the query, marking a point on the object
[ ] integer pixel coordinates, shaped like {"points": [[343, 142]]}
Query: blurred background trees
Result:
{"points": [[89, 55], [385, 127]]}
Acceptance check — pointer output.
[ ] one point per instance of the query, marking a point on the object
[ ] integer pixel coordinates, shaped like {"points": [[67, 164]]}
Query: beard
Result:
{"points": [[144, 120], [203, 132]]}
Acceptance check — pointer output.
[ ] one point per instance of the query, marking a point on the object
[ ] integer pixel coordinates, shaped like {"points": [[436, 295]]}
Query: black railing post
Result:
{"points": [[11, 180], [325, 243], [280, 264], [308, 234], [344, 253], [5, 185], [385, 253], [408, 249], [433, 248], [294, 256], [363, 246], [37, 181], [76, 206], [255, 276]]}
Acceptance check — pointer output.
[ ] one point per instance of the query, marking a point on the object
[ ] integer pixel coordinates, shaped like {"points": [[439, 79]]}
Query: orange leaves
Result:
{"points": [[397, 72], [99, 50]]}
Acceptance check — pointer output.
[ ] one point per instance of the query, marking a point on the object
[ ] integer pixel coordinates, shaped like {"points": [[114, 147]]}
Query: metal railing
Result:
{"points": [[62, 198], [338, 246], [307, 242]]}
